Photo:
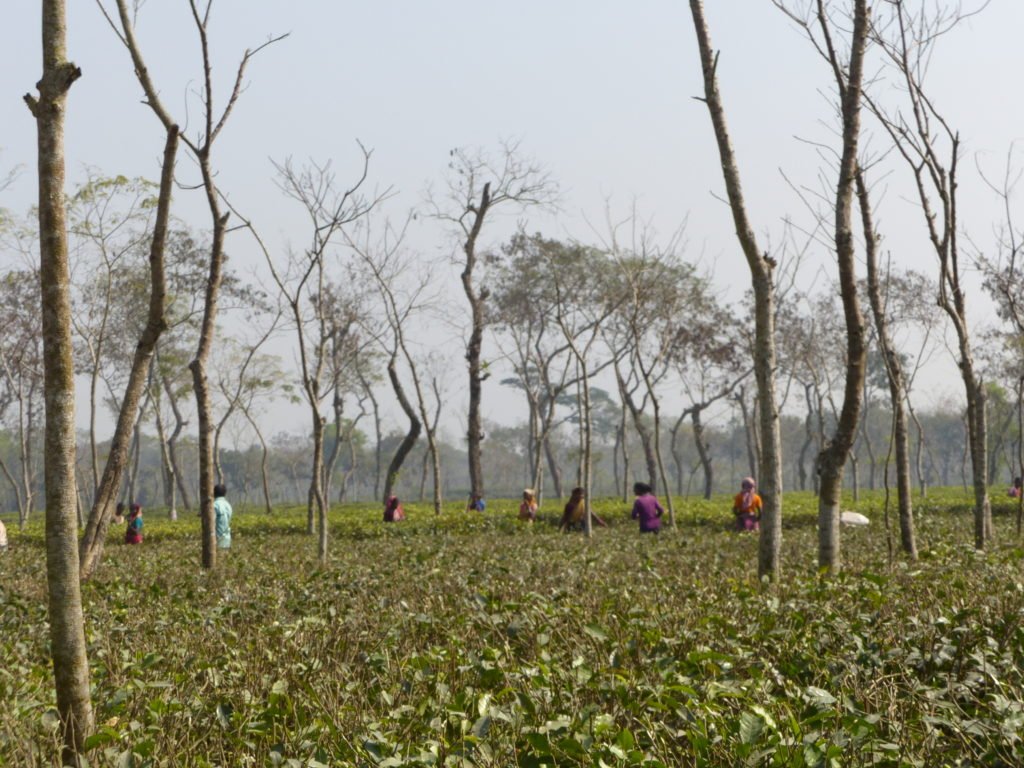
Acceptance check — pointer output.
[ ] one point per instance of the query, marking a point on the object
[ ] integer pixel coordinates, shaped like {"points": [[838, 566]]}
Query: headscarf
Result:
{"points": [[747, 501]]}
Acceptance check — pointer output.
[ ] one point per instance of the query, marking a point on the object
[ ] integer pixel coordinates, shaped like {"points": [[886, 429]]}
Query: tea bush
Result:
{"points": [[474, 640]]}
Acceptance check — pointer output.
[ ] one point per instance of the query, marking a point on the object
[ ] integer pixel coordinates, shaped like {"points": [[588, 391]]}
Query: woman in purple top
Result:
{"points": [[646, 508]]}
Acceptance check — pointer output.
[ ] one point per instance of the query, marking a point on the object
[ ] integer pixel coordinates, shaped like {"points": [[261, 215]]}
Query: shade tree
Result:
{"points": [[477, 188], [930, 149], [762, 268], [200, 145]]}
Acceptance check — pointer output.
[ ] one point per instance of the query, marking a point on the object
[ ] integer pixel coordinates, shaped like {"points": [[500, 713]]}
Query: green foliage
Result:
{"points": [[473, 640]]}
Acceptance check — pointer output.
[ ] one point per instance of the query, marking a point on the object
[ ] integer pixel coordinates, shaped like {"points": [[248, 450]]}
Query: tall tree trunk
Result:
{"points": [[677, 454], [646, 441], [553, 468], [435, 449], [666, 488], [625, 455], [761, 268], [406, 446], [331, 463], [377, 434], [476, 298], [977, 435], [264, 462], [865, 437], [835, 453], [200, 380], [894, 375], [67, 630], [702, 452], [749, 432], [316, 490], [167, 469], [1020, 453]]}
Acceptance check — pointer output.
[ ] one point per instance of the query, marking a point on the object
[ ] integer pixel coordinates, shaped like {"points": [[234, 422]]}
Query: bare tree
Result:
{"points": [[476, 188], [246, 374], [522, 314], [67, 626], [21, 393], [848, 71], [304, 283], [1002, 273], [893, 369], [201, 148], [582, 304], [386, 263], [706, 361], [761, 270], [91, 546], [109, 220], [931, 149]]}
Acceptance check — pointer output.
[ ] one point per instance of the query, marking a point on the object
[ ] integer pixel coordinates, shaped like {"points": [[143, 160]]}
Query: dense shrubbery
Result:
{"points": [[472, 640]]}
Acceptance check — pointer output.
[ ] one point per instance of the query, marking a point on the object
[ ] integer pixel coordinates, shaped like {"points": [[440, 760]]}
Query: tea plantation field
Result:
{"points": [[473, 640]]}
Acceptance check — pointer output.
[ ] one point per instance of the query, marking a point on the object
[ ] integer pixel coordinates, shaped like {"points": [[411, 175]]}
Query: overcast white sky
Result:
{"points": [[599, 91]]}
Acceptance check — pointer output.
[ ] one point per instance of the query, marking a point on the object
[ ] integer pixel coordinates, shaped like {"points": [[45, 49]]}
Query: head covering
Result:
{"points": [[748, 485], [529, 492]]}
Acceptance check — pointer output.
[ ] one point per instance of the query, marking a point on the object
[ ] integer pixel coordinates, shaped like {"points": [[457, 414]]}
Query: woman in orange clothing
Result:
{"points": [[747, 506]]}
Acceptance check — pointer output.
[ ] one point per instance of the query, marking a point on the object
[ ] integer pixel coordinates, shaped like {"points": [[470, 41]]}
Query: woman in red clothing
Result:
{"points": [[133, 533], [747, 506]]}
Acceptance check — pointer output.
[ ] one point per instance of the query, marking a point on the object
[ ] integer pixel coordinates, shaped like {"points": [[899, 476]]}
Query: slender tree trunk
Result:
{"points": [[424, 465], [67, 630], [866, 440], [167, 469], [650, 458], [894, 375], [749, 433], [836, 452], [264, 462], [331, 463], [702, 451], [377, 435], [93, 453], [553, 468], [136, 451], [316, 487], [761, 268], [1020, 452], [406, 446], [25, 447], [200, 380], [616, 447], [677, 455], [977, 437], [625, 455], [476, 298], [922, 481], [665, 487]]}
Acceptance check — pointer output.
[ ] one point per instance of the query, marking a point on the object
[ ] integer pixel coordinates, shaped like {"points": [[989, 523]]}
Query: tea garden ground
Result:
{"points": [[471, 640]]}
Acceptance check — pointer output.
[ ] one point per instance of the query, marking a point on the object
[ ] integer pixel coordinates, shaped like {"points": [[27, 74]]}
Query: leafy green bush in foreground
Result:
{"points": [[472, 640]]}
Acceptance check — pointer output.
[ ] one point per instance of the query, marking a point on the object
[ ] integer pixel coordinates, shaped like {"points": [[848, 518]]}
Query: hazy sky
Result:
{"points": [[599, 92]]}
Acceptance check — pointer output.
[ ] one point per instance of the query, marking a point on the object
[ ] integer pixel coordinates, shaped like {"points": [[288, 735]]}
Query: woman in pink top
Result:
{"points": [[646, 508], [393, 511]]}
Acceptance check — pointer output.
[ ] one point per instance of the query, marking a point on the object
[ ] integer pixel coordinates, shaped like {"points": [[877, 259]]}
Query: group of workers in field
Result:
{"points": [[647, 510]]}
